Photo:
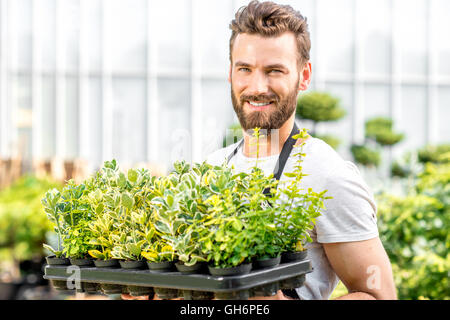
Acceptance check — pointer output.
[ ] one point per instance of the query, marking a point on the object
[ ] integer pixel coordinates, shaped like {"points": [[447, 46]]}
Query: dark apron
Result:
{"points": [[279, 167]]}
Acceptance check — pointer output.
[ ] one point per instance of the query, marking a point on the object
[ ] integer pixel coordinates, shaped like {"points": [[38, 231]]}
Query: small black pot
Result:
{"points": [[234, 295], [199, 267], [232, 271], [134, 264], [54, 261], [166, 293], [110, 263], [86, 262], [136, 291], [266, 290], [164, 266], [197, 295], [292, 283], [266, 263], [292, 256], [59, 284], [108, 288]]}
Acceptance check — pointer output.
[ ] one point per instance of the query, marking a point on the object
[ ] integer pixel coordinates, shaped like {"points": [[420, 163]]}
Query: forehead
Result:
{"points": [[256, 49]]}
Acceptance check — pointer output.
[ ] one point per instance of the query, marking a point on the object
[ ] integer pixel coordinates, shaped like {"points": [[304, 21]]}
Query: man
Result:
{"points": [[269, 66]]}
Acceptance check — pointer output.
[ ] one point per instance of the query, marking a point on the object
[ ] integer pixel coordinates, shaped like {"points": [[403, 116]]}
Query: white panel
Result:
{"points": [[127, 34], [95, 120], [411, 22], [342, 128], [48, 117], [377, 100], [175, 131], [414, 117], [72, 118], [20, 31], [441, 36], [47, 33], [129, 120], [443, 111], [375, 16], [215, 35], [335, 37], [217, 113], [174, 39], [71, 30], [93, 34]]}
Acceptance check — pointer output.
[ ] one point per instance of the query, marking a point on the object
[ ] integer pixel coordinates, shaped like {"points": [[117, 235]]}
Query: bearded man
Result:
{"points": [[269, 66]]}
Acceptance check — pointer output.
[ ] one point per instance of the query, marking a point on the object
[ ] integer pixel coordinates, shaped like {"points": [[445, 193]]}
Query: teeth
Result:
{"points": [[259, 104]]}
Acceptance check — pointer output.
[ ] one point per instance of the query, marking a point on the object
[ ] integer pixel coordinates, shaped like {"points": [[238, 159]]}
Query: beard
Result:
{"points": [[272, 118]]}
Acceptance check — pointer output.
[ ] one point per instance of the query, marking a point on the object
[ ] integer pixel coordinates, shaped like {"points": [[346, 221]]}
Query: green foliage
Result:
{"points": [[433, 153], [365, 155], [23, 222], [414, 231], [318, 107], [380, 130], [196, 213]]}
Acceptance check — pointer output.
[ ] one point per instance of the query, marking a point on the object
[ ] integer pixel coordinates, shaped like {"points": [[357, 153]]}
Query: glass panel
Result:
{"points": [[70, 25], [411, 24], [127, 34], [342, 128], [443, 115], [72, 117], [19, 13], [173, 18], [129, 119], [48, 117], [215, 35], [377, 101], [175, 119], [95, 121], [441, 26], [46, 19], [217, 111], [376, 35], [93, 34], [335, 45], [414, 117]]}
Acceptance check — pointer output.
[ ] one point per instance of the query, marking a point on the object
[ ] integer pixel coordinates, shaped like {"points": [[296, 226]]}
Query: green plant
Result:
{"points": [[234, 134], [380, 129], [24, 224], [365, 155], [319, 107]]}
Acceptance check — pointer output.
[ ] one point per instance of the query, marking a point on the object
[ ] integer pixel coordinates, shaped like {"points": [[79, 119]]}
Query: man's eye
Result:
{"points": [[274, 71], [244, 69]]}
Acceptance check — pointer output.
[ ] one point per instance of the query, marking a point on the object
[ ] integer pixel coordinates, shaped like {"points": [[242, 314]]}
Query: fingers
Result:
{"points": [[130, 297]]}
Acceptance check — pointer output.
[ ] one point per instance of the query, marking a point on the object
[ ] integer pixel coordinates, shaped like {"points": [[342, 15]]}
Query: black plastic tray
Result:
{"points": [[282, 276]]}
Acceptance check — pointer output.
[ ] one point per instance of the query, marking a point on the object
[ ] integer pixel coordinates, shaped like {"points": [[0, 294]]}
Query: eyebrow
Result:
{"points": [[270, 66]]}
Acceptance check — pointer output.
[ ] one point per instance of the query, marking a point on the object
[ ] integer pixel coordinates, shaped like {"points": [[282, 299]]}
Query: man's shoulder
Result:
{"points": [[219, 156]]}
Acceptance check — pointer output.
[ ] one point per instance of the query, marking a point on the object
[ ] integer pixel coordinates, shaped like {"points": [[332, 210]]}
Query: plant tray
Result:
{"points": [[223, 287]]}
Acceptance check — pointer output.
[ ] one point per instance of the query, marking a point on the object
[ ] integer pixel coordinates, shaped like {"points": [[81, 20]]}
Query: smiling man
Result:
{"points": [[269, 66]]}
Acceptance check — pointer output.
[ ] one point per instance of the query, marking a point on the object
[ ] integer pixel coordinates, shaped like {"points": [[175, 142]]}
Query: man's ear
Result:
{"points": [[229, 74], [305, 76]]}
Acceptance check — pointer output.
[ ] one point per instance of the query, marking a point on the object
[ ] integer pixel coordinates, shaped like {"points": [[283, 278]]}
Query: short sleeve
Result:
{"points": [[351, 213]]}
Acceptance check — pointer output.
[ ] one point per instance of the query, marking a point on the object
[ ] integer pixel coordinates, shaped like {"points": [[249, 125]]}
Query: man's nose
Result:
{"points": [[259, 84]]}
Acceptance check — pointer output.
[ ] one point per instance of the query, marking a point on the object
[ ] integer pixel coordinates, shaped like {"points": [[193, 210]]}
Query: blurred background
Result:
{"points": [[145, 82]]}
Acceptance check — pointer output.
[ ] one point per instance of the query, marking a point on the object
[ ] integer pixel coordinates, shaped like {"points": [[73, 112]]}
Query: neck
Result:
{"points": [[269, 145]]}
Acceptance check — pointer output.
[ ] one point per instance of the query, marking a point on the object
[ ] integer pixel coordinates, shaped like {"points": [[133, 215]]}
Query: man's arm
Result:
{"points": [[364, 268]]}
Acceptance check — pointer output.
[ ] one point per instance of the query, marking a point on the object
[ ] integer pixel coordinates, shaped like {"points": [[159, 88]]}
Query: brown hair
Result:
{"points": [[269, 19]]}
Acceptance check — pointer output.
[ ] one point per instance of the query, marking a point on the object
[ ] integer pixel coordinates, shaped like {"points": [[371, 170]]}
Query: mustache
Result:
{"points": [[260, 98]]}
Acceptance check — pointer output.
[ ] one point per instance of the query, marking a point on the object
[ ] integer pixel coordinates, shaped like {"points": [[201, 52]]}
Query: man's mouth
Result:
{"points": [[259, 105]]}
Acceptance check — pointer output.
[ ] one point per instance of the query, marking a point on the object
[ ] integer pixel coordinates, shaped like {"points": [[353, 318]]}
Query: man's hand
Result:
{"points": [[364, 268], [278, 296], [130, 297]]}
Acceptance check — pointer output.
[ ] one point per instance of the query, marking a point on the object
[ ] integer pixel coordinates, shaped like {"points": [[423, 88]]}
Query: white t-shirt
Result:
{"points": [[349, 216]]}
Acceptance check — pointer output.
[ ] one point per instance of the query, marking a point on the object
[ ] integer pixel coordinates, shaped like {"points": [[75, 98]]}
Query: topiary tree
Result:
{"points": [[320, 107], [379, 133]]}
